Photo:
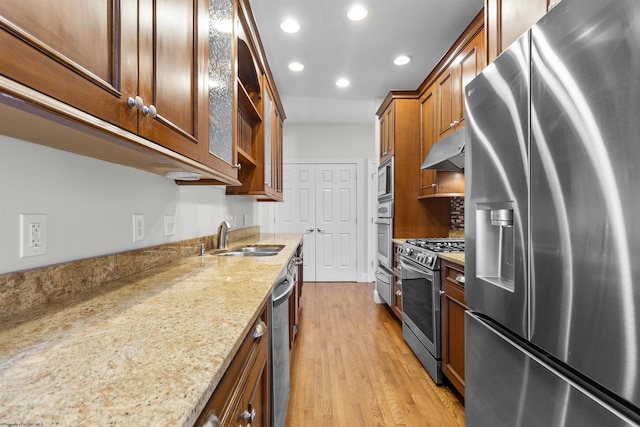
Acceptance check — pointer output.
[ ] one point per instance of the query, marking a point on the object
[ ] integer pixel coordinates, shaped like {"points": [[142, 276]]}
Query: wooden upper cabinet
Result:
{"points": [[81, 53], [169, 75], [446, 97], [387, 133], [442, 106], [450, 85], [259, 116], [471, 62], [507, 20], [427, 139], [140, 65]]}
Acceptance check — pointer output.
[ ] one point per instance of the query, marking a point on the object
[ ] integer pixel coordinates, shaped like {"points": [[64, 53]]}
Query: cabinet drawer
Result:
{"points": [[453, 282], [240, 377]]}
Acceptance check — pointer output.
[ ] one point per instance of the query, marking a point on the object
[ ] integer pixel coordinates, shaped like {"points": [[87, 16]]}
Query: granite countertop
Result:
{"points": [[146, 350], [458, 258]]}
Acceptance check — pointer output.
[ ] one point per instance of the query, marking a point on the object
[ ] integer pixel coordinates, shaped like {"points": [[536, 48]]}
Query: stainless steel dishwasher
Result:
{"points": [[280, 381]]}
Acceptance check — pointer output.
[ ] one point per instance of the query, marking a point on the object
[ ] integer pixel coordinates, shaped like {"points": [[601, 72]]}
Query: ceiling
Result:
{"points": [[331, 46]]}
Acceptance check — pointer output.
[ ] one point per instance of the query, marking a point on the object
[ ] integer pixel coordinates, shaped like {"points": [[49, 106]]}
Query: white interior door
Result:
{"points": [[298, 212], [320, 201], [336, 242]]}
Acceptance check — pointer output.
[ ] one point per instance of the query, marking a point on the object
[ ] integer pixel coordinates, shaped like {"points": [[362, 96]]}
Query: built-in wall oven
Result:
{"points": [[421, 325], [384, 271]]}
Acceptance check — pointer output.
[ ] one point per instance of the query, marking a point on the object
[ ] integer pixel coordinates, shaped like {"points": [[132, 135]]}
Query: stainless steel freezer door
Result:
{"points": [[497, 165], [585, 194], [507, 386]]}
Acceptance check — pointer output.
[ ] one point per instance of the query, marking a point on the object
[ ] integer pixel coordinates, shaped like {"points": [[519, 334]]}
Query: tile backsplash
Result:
{"points": [[457, 213]]}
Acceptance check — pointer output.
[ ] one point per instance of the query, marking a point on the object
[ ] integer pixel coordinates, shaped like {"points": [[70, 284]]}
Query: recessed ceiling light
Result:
{"points": [[290, 26], [342, 82], [296, 66], [402, 60], [357, 13]]}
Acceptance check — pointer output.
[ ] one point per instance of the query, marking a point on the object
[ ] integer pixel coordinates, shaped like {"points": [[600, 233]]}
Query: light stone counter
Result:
{"points": [[458, 258], [146, 350]]}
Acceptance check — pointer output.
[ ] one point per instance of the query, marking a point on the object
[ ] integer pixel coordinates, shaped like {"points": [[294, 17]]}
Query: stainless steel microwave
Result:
{"points": [[385, 180]]}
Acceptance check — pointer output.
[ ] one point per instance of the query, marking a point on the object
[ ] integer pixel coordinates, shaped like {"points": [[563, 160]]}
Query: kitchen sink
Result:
{"points": [[252, 250]]}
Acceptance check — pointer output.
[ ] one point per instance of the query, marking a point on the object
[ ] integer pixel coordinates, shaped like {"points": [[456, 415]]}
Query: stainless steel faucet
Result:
{"points": [[223, 237]]}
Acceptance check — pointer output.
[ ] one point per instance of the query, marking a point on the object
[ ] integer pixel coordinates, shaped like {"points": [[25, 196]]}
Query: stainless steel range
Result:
{"points": [[420, 263]]}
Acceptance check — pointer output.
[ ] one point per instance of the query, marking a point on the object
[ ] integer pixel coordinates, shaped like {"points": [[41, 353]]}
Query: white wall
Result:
{"points": [[315, 143], [89, 205]]}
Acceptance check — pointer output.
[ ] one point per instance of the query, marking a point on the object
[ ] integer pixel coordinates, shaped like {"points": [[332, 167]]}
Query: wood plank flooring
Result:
{"points": [[351, 367]]}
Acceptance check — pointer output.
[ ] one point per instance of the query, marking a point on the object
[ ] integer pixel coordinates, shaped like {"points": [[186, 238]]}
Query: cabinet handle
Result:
{"points": [[259, 330], [320, 230], [441, 292], [212, 421], [460, 278], [399, 293], [247, 416], [454, 123], [432, 185], [238, 166], [135, 103], [150, 111], [298, 260], [385, 153], [310, 230]]}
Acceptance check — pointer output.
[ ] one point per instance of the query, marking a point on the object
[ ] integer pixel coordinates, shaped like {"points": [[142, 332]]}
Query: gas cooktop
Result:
{"points": [[438, 245], [425, 251]]}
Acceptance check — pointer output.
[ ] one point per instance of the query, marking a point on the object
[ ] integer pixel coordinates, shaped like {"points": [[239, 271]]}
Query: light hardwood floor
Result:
{"points": [[351, 367]]}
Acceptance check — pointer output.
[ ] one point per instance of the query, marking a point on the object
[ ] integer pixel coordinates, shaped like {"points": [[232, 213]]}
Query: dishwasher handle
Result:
{"points": [[277, 299]]}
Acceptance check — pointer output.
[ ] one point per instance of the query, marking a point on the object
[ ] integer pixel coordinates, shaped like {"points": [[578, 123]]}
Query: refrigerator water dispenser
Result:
{"points": [[494, 244]]}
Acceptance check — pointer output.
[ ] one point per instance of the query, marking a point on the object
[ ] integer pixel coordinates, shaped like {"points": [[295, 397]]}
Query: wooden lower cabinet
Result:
{"points": [[243, 396], [453, 308]]}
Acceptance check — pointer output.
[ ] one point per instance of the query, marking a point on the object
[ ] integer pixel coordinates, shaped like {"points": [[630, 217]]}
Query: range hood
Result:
{"points": [[447, 154]]}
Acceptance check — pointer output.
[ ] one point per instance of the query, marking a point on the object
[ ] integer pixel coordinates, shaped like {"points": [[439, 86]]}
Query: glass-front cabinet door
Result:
{"points": [[268, 131], [221, 79]]}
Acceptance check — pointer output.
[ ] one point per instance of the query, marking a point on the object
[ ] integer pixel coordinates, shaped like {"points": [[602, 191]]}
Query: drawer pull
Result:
{"points": [[460, 278], [247, 416], [259, 330]]}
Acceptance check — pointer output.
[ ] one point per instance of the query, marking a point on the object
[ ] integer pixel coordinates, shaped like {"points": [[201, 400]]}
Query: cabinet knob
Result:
{"points": [[441, 292], [247, 416], [259, 330], [399, 293], [320, 230], [238, 166], [135, 103], [150, 111], [212, 421], [298, 260]]}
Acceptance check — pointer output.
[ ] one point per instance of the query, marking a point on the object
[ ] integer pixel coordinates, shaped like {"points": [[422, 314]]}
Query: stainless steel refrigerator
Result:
{"points": [[553, 224]]}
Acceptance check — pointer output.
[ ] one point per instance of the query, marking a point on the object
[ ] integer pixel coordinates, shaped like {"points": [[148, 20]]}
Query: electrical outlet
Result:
{"points": [[169, 225], [33, 235], [138, 227]]}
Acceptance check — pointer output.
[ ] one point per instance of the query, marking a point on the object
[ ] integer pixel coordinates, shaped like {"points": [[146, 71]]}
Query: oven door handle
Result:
{"points": [[424, 271], [380, 276]]}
